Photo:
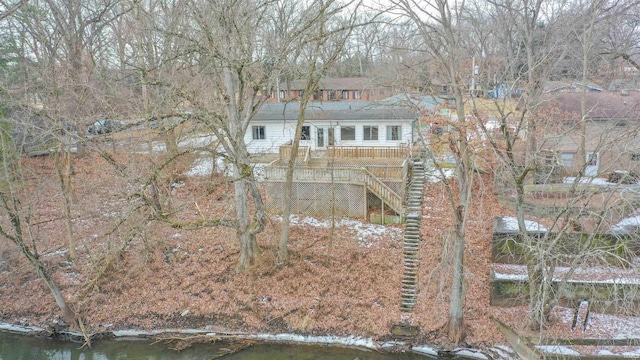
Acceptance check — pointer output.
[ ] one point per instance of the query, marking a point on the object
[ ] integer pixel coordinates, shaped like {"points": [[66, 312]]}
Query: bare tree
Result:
{"points": [[327, 46], [439, 28]]}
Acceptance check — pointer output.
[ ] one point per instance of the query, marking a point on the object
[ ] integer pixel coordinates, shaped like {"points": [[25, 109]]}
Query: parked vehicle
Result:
{"points": [[104, 126]]}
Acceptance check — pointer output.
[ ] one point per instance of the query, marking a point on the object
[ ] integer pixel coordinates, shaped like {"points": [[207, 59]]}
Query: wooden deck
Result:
{"points": [[380, 170], [350, 175]]}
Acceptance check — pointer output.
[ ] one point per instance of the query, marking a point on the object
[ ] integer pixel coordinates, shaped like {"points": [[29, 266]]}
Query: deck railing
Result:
{"points": [[373, 152], [311, 174], [285, 152], [386, 172]]}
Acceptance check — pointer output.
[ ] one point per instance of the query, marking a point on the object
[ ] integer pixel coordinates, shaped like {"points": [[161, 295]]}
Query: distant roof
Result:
{"points": [[396, 107], [625, 84], [557, 86], [350, 83], [600, 106]]}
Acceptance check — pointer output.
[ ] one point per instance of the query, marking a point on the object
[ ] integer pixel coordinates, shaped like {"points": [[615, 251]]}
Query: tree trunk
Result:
{"points": [[64, 177], [249, 252], [456, 304], [41, 269]]}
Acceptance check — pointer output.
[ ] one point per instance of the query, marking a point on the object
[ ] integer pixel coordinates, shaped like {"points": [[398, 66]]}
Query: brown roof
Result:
{"points": [[599, 105]]}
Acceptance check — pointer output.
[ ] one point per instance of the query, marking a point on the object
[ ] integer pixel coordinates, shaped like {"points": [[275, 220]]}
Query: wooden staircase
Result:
{"points": [[381, 190], [412, 238]]}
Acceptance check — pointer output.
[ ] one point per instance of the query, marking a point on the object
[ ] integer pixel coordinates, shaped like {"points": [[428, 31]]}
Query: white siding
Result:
{"points": [[278, 134]]}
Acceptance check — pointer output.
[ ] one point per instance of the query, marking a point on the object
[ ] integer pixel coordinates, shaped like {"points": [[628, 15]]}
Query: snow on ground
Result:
{"points": [[367, 233], [557, 349], [591, 181], [197, 141], [433, 175], [202, 166], [511, 223], [605, 326], [626, 225], [593, 275]]}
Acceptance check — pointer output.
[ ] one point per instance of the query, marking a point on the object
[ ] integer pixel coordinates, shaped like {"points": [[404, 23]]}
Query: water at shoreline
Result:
{"points": [[19, 347]]}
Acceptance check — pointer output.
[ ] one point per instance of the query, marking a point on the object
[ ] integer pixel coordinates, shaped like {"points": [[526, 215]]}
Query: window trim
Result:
{"points": [[390, 132], [305, 134], [372, 130], [258, 132], [565, 162], [342, 132]]}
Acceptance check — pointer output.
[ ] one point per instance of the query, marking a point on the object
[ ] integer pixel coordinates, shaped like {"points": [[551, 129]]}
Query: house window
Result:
{"points": [[272, 95], [356, 95], [370, 133], [635, 157], [301, 93], [320, 137], [306, 133], [281, 94], [258, 132], [348, 133], [393, 132], [568, 159], [345, 94], [332, 95]]}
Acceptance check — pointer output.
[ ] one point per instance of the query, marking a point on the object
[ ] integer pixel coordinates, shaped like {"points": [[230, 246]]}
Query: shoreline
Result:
{"points": [[353, 342]]}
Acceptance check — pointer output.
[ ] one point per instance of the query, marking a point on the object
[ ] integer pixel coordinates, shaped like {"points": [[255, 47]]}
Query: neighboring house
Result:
{"points": [[611, 131], [332, 89], [627, 84], [364, 123], [574, 86]]}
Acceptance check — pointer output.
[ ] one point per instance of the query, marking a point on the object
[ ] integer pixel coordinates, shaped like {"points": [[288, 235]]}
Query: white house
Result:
{"points": [[362, 123]]}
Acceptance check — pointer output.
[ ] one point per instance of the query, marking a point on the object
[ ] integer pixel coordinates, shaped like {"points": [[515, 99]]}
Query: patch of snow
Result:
{"points": [[197, 141], [321, 340], [19, 329], [57, 252], [504, 352], [630, 221], [557, 349], [511, 223], [631, 354], [202, 166], [626, 225], [588, 180], [424, 350], [366, 233], [593, 275], [470, 354], [434, 175]]}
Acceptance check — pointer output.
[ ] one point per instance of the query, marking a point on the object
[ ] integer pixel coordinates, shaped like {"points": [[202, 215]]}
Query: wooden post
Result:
{"points": [[382, 212], [519, 344]]}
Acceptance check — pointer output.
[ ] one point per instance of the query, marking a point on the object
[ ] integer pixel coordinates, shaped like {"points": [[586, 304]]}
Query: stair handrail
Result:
{"points": [[307, 155], [388, 195]]}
